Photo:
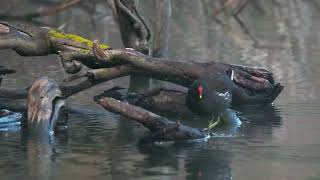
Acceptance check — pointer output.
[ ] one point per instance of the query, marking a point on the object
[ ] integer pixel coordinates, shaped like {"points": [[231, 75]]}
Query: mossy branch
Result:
{"points": [[29, 40], [254, 85]]}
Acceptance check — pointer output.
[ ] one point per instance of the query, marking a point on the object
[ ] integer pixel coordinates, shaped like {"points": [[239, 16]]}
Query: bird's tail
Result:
{"points": [[230, 118]]}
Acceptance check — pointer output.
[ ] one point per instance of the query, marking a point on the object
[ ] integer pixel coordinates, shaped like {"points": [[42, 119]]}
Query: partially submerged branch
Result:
{"points": [[161, 128], [160, 100]]}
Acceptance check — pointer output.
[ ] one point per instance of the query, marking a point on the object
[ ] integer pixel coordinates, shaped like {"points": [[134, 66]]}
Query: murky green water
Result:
{"points": [[275, 142]]}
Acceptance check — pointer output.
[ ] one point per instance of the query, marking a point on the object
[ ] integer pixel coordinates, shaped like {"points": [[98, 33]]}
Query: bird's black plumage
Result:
{"points": [[216, 95]]}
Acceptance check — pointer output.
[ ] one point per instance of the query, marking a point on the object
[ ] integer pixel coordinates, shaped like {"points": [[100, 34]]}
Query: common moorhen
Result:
{"points": [[211, 96]]}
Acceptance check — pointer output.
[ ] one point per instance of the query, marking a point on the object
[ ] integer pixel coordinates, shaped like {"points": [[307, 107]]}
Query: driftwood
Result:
{"points": [[45, 106], [161, 129], [161, 100], [44, 103], [254, 85]]}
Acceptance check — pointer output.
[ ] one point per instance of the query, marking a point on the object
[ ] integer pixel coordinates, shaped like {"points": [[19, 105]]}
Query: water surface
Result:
{"points": [[279, 141]]}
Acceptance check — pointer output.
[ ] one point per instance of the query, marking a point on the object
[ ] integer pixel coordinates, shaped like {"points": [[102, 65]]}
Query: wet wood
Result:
{"points": [[161, 129], [44, 105], [254, 84], [162, 100]]}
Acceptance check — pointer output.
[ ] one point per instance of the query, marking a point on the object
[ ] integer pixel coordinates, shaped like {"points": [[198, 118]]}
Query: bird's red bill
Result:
{"points": [[200, 91]]}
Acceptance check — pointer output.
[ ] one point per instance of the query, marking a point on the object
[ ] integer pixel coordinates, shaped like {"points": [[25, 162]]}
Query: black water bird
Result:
{"points": [[211, 96]]}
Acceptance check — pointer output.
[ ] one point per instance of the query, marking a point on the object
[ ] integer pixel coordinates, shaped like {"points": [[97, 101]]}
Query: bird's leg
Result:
{"points": [[213, 124]]}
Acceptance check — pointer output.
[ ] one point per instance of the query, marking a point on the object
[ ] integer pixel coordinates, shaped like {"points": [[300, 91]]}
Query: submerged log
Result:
{"points": [[161, 129], [162, 100]]}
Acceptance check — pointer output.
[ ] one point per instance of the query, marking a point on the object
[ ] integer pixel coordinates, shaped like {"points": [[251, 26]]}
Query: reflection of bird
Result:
{"points": [[211, 96]]}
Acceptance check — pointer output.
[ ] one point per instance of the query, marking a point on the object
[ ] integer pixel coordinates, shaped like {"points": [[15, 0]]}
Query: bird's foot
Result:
{"points": [[212, 124]]}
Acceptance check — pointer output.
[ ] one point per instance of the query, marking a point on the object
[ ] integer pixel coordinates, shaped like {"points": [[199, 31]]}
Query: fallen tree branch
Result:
{"points": [[29, 40], [254, 85], [160, 100], [161, 128]]}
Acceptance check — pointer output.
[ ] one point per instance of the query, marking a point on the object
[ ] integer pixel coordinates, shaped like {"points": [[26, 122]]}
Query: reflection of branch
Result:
{"points": [[54, 10], [111, 5], [161, 24], [316, 3], [224, 7], [245, 29], [240, 7], [235, 14], [47, 12]]}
